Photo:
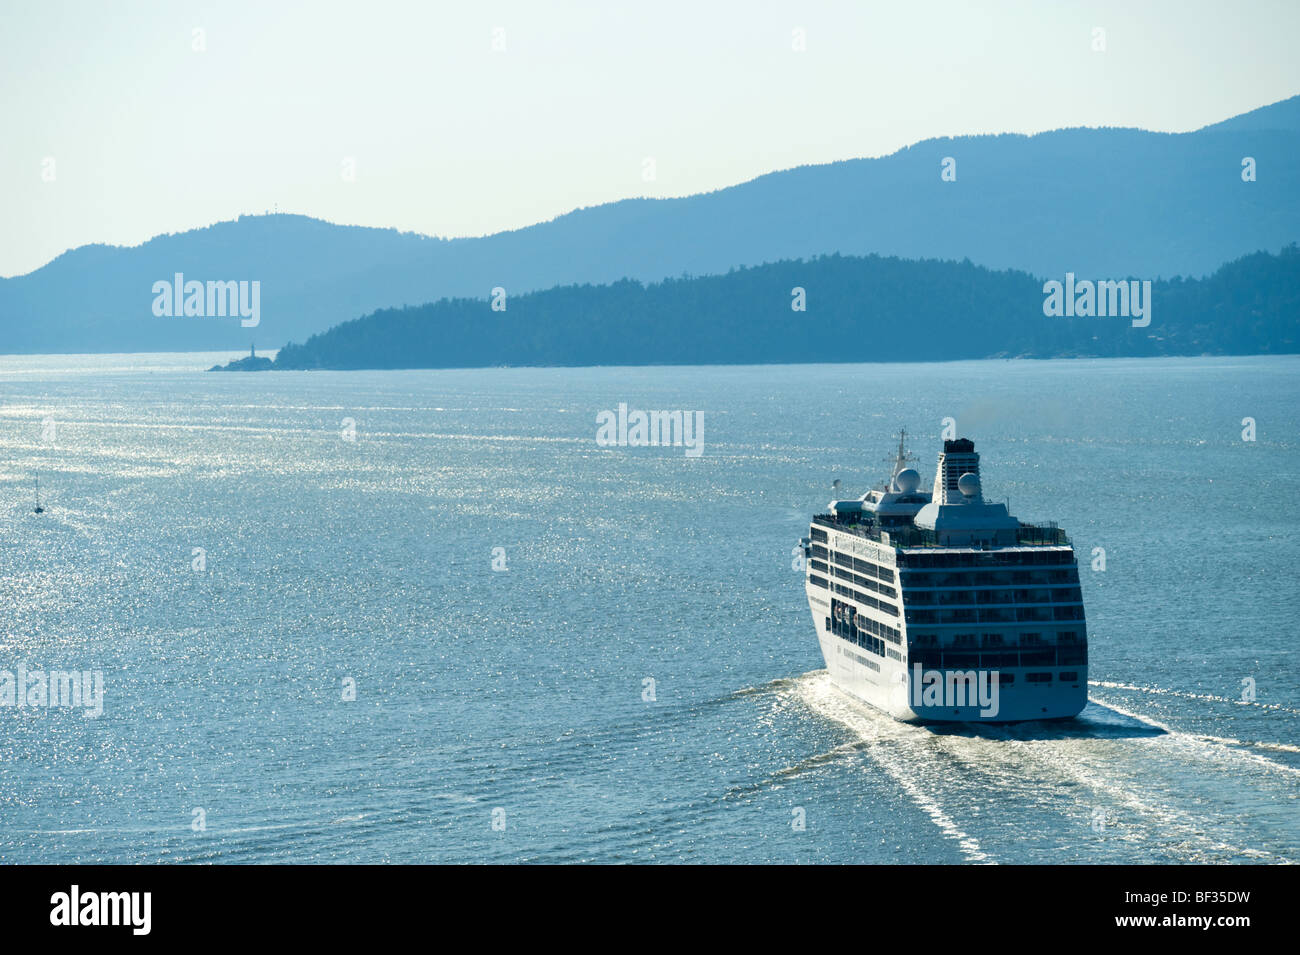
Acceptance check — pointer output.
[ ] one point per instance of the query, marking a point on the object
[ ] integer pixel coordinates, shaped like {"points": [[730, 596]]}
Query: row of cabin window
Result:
{"points": [[864, 582], [997, 615], [865, 641], [863, 598], [867, 567], [863, 622], [1000, 659], [841, 624], [952, 597], [991, 578], [879, 629], [971, 640], [1067, 676]]}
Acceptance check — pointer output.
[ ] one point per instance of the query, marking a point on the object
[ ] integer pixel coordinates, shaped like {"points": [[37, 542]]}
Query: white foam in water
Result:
{"points": [[821, 696], [1160, 691], [1046, 766], [1167, 822], [1222, 745]]}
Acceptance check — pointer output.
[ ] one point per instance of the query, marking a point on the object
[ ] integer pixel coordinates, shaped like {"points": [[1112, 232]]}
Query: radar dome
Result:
{"points": [[907, 480], [969, 484]]}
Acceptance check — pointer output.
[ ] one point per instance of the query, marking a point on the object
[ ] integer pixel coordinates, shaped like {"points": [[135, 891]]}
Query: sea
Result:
{"points": [[426, 616]]}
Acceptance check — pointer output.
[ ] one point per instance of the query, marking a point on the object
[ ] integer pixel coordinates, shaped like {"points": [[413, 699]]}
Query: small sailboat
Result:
{"points": [[39, 509]]}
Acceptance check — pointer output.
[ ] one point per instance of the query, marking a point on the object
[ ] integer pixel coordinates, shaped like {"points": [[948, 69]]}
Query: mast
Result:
{"points": [[903, 459]]}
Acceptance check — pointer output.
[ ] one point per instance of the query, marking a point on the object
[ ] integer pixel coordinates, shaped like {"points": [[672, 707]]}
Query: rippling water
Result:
{"points": [[515, 697]]}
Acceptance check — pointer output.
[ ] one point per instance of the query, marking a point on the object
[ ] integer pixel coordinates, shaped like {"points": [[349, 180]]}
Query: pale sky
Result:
{"points": [[451, 137]]}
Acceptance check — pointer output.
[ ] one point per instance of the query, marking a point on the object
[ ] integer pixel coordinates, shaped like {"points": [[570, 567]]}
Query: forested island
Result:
{"points": [[831, 308]]}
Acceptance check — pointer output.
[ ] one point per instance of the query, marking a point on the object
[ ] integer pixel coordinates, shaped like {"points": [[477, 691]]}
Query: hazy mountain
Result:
{"points": [[857, 309], [1103, 203]]}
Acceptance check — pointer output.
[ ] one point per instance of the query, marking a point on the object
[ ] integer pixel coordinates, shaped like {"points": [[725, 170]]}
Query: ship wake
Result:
{"points": [[1111, 785]]}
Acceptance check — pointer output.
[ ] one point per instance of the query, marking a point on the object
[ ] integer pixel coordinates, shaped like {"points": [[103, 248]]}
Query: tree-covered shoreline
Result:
{"points": [[856, 309]]}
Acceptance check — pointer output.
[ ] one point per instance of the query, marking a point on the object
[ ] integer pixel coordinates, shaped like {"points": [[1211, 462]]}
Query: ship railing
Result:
{"points": [[1047, 534], [1027, 534]]}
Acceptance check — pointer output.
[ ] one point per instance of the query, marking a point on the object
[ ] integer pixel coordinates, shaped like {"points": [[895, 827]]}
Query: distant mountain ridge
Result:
{"points": [[858, 309], [1099, 202]]}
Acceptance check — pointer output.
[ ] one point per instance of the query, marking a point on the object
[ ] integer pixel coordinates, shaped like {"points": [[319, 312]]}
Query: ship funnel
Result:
{"points": [[957, 479]]}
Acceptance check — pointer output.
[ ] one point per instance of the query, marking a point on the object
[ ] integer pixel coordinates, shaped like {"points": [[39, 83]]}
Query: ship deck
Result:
{"points": [[911, 537]]}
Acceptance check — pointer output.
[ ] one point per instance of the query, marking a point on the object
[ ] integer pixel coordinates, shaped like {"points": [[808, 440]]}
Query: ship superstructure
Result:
{"points": [[941, 606]]}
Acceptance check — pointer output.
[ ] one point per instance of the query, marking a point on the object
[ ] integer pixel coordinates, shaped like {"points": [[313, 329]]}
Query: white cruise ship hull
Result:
{"points": [[886, 685], [942, 607]]}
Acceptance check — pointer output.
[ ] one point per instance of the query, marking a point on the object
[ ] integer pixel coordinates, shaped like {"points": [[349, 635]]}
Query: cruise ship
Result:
{"points": [[939, 606]]}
